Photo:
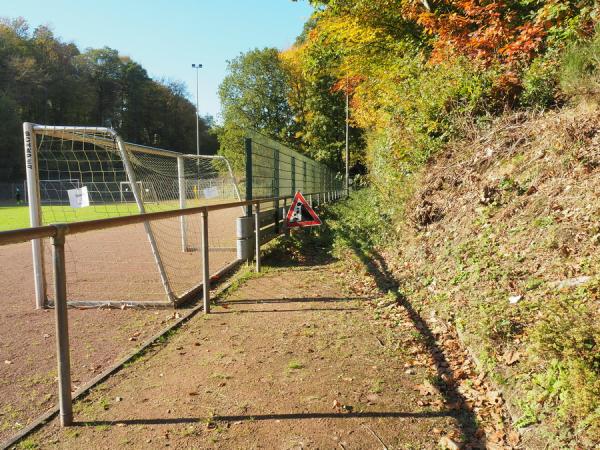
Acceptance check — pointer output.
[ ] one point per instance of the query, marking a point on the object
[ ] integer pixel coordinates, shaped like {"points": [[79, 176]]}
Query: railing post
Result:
{"points": [[248, 144], [257, 236], [62, 327], [205, 262]]}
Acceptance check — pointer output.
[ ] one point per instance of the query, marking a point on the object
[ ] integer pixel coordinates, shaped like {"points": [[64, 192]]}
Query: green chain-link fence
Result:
{"points": [[274, 170]]}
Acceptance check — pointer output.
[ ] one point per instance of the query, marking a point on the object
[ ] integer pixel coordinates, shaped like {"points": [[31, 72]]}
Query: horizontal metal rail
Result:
{"points": [[50, 231], [58, 233]]}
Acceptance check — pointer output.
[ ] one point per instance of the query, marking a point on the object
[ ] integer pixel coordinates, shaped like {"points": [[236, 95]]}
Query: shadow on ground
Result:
{"points": [[315, 247], [262, 417]]}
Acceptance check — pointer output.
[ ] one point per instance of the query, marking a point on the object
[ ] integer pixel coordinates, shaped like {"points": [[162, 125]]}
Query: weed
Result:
{"points": [[533, 283], [28, 444], [71, 433], [221, 376], [295, 365], [543, 222], [377, 386]]}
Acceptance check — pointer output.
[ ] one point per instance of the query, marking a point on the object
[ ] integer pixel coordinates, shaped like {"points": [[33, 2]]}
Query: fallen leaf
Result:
{"points": [[426, 388], [372, 398], [513, 438], [497, 436], [448, 444], [511, 357], [494, 397]]}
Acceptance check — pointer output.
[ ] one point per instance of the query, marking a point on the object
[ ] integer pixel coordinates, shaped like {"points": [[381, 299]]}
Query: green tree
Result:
{"points": [[45, 80], [254, 96]]}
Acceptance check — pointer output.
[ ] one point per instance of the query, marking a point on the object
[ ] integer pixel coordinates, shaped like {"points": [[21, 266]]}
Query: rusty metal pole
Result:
{"points": [[205, 263], [62, 328]]}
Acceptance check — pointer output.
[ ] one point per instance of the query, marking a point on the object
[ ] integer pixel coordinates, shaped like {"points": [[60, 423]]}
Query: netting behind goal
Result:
{"points": [[82, 173]]}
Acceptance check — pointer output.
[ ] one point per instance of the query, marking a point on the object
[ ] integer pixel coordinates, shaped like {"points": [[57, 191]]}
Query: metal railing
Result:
{"points": [[58, 233]]}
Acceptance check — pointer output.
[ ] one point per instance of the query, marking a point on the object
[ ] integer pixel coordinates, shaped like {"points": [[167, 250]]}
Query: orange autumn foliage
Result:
{"points": [[484, 31]]}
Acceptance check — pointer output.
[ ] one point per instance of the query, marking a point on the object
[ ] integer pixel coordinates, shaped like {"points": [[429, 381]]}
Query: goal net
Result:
{"points": [[145, 189], [84, 173]]}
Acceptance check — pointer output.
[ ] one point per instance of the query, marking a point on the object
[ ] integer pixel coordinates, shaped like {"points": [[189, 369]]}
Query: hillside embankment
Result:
{"points": [[499, 238]]}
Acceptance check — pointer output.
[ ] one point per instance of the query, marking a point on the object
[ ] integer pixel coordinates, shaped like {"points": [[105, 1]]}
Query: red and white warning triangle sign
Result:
{"points": [[301, 214]]}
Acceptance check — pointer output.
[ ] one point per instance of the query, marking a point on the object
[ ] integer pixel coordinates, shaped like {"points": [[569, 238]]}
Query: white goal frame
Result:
{"points": [[72, 133]]}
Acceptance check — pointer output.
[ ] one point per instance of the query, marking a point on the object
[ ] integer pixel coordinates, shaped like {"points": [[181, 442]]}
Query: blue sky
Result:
{"points": [[166, 37]]}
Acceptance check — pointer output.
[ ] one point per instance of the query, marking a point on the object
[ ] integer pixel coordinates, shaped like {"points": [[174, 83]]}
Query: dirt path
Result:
{"points": [[289, 360]]}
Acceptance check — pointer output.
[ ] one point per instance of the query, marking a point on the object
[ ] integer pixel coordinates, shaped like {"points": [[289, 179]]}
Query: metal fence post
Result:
{"points": [[248, 144], [276, 188], [293, 176], [304, 186], [205, 262], [62, 327], [257, 236]]}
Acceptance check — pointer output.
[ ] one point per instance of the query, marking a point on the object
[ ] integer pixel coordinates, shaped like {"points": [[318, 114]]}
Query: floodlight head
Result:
{"points": [[197, 66]]}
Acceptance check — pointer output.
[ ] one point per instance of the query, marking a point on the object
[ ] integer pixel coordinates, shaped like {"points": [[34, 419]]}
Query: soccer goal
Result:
{"points": [[146, 190], [85, 173]]}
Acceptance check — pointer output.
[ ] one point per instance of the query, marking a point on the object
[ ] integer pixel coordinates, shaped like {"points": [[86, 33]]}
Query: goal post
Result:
{"points": [[96, 164], [35, 213], [140, 204]]}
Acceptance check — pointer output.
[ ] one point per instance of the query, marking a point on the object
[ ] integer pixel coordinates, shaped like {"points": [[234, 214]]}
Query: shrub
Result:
{"points": [[568, 334], [540, 83], [580, 68]]}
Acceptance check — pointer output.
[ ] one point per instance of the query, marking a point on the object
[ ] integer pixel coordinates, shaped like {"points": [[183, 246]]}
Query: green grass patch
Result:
{"points": [[15, 217], [295, 365]]}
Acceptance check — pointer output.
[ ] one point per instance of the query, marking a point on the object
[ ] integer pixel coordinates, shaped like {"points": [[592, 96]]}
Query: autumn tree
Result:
{"points": [[254, 96]]}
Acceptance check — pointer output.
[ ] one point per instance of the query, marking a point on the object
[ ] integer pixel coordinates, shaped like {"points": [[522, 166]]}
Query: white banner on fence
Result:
{"points": [[79, 198], [211, 192]]}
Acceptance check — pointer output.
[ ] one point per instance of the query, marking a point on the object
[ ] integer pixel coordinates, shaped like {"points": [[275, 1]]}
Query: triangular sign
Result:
{"points": [[301, 214]]}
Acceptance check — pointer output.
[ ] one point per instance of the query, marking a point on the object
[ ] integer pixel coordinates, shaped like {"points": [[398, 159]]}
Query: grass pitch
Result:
{"points": [[15, 217]]}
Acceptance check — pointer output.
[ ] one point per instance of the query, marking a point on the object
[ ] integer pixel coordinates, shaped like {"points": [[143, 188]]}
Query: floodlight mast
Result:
{"points": [[197, 67]]}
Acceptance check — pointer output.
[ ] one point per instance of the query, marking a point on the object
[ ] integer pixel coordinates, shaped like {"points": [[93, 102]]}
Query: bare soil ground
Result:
{"points": [[111, 265], [292, 359]]}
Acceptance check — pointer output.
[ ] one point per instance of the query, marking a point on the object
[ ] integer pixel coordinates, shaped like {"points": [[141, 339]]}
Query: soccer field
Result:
{"points": [[14, 217]]}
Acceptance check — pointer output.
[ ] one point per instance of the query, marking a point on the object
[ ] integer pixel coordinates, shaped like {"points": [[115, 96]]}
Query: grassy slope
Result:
{"points": [[512, 212]]}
